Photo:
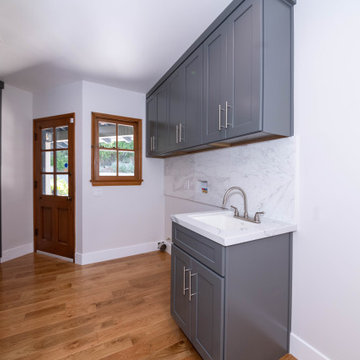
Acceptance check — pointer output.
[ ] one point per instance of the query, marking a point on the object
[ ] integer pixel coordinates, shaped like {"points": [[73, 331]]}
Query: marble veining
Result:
{"points": [[265, 170]]}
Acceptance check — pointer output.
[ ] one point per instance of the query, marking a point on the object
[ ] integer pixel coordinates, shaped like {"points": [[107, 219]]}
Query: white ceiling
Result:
{"points": [[124, 43]]}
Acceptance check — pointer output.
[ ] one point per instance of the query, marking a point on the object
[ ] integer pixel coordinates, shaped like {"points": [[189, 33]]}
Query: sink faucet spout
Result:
{"points": [[227, 194]]}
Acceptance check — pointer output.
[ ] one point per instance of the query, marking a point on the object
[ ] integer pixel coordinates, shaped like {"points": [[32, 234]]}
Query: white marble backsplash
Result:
{"points": [[265, 170]]}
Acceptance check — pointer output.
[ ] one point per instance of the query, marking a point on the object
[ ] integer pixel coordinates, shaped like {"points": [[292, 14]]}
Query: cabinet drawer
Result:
{"points": [[204, 250]]}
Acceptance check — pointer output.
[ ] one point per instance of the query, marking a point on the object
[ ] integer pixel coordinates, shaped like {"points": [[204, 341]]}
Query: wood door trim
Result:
{"points": [[73, 194]]}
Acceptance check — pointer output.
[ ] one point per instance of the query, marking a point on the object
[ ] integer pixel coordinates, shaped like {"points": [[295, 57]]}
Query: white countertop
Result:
{"points": [[221, 227]]}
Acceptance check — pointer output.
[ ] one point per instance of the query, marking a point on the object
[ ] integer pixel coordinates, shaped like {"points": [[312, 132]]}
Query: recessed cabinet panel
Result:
{"points": [[176, 108], [161, 140], [214, 89], [190, 128], [47, 223], [63, 228], [180, 307], [207, 307], [244, 70], [151, 124]]}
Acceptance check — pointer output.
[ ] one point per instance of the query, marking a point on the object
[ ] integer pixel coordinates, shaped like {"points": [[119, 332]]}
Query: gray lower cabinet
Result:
{"points": [[197, 304], [233, 303]]}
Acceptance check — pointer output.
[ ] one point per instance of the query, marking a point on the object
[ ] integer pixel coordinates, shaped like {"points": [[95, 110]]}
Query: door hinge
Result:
{"points": [[35, 136], [36, 232], [35, 184]]}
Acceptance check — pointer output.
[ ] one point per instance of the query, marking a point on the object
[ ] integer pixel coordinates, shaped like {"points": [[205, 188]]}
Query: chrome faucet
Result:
{"points": [[227, 194], [236, 211]]}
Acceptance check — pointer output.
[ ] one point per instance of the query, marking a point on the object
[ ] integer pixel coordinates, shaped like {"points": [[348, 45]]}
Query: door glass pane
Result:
{"points": [[48, 184], [107, 162], [107, 135], [126, 137], [47, 138], [62, 185], [62, 164], [47, 161], [62, 135], [126, 163]]}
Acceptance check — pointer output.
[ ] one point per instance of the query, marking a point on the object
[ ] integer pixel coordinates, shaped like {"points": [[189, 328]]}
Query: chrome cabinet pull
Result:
{"points": [[184, 280], [219, 110], [151, 143], [227, 106], [177, 134], [180, 133], [191, 294]]}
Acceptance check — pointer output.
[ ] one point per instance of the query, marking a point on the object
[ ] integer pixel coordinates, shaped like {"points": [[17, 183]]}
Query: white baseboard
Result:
{"points": [[17, 252], [54, 256], [168, 246], [117, 253], [304, 351]]}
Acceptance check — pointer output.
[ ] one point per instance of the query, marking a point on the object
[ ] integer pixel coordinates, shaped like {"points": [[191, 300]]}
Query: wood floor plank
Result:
{"points": [[119, 309]]}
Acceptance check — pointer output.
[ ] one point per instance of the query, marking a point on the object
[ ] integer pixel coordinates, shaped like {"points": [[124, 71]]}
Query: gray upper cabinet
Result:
{"points": [[190, 126], [161, 140], [151, 124], [215, 84], [176, 101], [234, 84], [243, 100]]}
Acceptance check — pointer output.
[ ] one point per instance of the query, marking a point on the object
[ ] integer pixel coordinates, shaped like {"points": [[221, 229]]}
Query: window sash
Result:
{"points": [[117, 179]]}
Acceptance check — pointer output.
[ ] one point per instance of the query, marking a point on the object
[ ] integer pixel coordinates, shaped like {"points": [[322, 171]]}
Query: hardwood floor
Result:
{"points": [[120, 309]]}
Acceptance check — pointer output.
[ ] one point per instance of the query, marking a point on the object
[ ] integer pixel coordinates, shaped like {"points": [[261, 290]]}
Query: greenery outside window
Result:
{"points": [[116, 150]]}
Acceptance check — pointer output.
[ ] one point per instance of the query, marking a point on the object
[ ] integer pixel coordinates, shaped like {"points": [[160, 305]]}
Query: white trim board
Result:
{"points": [[54, 256], [168, 243], [117, 253], [304, 351], [16, 252]]}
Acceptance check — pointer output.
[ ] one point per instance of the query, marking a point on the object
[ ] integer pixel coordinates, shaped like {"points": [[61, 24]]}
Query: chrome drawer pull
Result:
{"points": [[191, 294], [184, 280]]}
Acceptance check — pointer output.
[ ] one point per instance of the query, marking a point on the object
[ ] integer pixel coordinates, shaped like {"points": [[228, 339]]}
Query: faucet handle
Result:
{"points": [[257, 216], [236, 210]]}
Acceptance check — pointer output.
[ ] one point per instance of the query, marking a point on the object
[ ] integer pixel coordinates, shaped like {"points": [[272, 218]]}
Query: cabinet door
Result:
{"points": [[244, 70], [214, 85], [207, 309], [180, 305], [190, 127], [176, 107], [161, 140], [151, 124]]}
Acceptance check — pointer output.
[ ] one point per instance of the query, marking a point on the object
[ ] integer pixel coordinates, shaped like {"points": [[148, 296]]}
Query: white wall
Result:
{"points": [[111, 221], [265, 170], [16, 190], [120, 216], [62, 100], [326, 279]]}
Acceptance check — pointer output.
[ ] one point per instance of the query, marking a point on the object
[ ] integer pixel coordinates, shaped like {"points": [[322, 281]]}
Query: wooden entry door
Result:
{"points": [[54, 185]]}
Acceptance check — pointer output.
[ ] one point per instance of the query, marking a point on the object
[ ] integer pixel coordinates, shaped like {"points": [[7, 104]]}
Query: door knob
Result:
{"points": [[69, 198]]}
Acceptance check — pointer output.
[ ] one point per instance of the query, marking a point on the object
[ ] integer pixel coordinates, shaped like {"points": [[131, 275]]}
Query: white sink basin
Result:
{"points": [[223, 228], [224, 221]]}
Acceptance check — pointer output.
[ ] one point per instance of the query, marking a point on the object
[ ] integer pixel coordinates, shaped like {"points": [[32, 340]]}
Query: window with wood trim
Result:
{"points": [[116, 150]]}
